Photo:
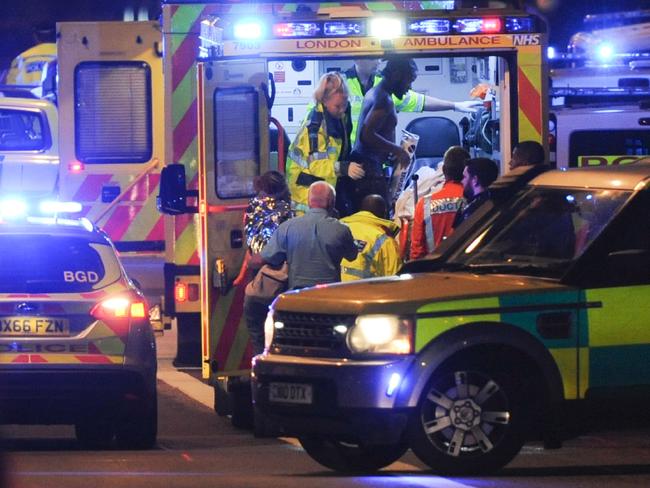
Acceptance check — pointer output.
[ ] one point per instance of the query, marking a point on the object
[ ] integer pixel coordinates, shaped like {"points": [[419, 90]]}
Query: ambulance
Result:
{"points": [[111, 144], [600, 93], [239, 74]]}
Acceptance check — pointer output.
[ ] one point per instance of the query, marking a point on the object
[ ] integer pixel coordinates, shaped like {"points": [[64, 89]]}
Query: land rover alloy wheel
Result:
{"points": [[469, 420]]}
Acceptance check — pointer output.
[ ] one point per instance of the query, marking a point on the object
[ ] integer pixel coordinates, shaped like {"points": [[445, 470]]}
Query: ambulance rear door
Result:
{"points": [[233, 149], [111, 140]]}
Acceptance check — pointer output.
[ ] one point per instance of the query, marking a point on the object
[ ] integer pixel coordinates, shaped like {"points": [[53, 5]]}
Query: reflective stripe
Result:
{"points": [[295, 154], [412, 102], [359, 273], [428, 225], [318, 155]]}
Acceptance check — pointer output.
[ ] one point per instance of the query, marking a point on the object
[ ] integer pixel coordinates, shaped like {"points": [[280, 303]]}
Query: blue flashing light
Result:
{"points": [[605, 52], [570, 198], [53, 207], [13, 208], [344, 29], [468, 26], [550, 52], [519, 24], [393, 383], [297, 29], [429, 26], [248, 30]]}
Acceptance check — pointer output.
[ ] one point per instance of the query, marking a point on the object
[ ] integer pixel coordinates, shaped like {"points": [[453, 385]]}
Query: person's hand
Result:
{"points": [[355, 171], [402, 158], [470, 106]]}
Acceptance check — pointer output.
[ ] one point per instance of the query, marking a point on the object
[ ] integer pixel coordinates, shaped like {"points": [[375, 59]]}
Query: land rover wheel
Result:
{"points": [[469, 420], [351, 457]]}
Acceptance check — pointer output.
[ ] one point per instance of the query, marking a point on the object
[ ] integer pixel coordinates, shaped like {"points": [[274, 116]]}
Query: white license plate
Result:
{"points": [[34, 326], [290, 393]]}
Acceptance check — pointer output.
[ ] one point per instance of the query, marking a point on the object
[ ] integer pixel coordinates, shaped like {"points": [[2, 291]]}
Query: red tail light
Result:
{"points": [[120, 309]]}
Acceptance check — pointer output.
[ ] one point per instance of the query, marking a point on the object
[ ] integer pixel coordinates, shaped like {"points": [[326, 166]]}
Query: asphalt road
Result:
{"points": [[196, 448]]}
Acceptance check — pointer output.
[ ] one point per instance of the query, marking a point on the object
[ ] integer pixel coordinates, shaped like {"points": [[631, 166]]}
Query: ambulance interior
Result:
{"points": [[447, 78]]}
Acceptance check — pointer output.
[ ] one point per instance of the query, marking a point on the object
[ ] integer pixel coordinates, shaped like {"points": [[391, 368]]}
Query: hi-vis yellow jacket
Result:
{"points": [[27, 67], [378, 250], [313, 155]]}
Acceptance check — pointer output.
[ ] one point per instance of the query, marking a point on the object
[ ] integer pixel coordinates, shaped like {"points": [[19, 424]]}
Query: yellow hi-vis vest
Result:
{"points": [[379, 253], [27, 68], [312, 156], [411, 102]]}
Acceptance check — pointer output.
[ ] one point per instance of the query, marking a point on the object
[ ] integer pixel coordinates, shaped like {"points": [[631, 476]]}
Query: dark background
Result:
{"points": [[20, 18]]}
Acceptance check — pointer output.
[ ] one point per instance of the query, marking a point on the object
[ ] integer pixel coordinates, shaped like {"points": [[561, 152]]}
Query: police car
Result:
{"points": [[76, 345], [540, 310]]}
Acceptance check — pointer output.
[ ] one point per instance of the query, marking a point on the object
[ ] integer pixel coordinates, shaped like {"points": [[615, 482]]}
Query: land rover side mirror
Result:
{"points": [[172, 199]]}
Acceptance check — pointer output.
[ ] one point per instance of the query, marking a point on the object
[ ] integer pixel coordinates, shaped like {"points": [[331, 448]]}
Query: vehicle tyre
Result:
{"points": [[221, 400], [471, 418], [349, 457], [139, 429], [94, 433], [241, 415]]}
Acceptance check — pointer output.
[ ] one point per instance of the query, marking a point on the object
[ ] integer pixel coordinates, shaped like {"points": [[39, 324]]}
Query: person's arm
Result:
{"points": [[349, 248], [275, 252], [418, 237], [418, 102], [389, 258]]}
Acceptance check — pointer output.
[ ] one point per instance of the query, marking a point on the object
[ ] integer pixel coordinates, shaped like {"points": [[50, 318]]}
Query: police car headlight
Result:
{"points": [[381, 334]]}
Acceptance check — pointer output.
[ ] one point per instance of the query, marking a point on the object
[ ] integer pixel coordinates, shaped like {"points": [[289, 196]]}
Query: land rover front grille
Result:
{"points": [[311, 334]]}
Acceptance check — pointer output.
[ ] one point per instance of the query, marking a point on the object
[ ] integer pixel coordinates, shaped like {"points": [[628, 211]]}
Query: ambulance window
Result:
{"points": [[113, 120], [48, 264], [22, 130], [236, 136], [607, 147]]}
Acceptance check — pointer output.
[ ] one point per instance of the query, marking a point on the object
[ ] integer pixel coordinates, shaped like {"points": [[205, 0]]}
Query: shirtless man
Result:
{"points": [[375, 143]]}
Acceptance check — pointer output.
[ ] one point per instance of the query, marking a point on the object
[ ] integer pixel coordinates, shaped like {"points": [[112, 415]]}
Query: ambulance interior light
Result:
{"points": [[297, 29], [344, 29], [248, 30], [429, 26]]}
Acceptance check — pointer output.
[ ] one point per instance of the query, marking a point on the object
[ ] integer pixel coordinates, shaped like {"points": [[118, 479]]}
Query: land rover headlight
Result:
{"points": [[381, 334]]}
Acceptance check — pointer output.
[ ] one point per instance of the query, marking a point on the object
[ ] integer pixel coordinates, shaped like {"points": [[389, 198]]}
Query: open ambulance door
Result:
{"points": [[233, 116]]}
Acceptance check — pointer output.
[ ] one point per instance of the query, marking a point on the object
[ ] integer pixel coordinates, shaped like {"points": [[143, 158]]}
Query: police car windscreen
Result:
{"points": [[49, 264]]}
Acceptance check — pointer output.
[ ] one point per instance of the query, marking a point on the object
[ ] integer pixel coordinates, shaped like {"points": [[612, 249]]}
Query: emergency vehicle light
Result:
{"points": [[429, 26], [344, 29], [386, 28], [520, 24], [248, 30], [52, 207], [13, 208], [297, 29], [75, 167], [122, 307], [478, 25]]}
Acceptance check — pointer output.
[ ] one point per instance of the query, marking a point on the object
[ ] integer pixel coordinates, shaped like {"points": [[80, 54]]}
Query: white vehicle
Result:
{"points": [[29, 148]]}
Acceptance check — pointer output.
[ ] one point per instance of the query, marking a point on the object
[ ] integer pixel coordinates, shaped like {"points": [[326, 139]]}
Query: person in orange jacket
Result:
{"points": [[434, 214]]}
